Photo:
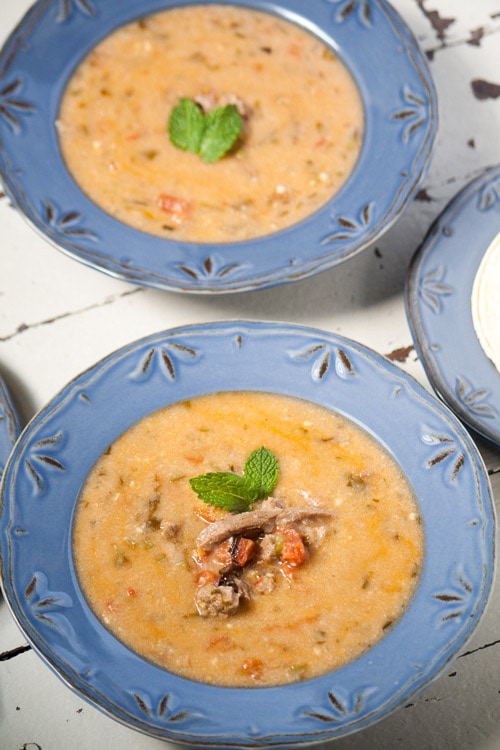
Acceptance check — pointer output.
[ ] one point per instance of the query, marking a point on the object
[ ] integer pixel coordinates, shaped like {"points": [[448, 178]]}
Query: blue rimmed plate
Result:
{"points": [[400, 127], [438, 304], [9, 425], [56, 451]]}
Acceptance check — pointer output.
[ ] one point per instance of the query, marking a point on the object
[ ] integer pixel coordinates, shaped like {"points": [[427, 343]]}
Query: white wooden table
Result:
{"points": [[58, 317]]}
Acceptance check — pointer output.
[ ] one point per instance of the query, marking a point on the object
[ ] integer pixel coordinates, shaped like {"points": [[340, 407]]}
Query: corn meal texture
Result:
{"points": [[138, 520], [302, 112]]}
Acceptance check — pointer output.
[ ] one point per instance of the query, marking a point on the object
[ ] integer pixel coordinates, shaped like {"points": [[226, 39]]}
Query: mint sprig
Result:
{"points": [[235, 493], [210, 134]]}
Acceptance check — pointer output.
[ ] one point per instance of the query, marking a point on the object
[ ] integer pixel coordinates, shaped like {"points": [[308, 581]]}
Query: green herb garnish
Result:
{"points": [[235, 493], [210, 135]]}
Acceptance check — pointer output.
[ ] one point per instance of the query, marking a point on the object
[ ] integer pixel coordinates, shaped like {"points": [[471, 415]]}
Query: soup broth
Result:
{"points": [[145, 561], [302, 112]]}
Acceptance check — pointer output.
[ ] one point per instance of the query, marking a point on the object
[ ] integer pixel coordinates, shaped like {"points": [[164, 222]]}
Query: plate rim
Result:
{"points": [[420, 312]]}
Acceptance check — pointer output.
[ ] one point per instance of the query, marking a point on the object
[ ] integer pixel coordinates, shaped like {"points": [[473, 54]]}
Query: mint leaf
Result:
{"points": [[261, 471], [238, 494], [222, 128], [186, 125], [225, 490], [210, 135]]}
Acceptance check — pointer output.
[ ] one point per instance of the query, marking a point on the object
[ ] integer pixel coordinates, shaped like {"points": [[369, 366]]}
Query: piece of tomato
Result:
{"points": [[177, 208], [253, 668], [205, 576], [294, 552], [244, 552]]}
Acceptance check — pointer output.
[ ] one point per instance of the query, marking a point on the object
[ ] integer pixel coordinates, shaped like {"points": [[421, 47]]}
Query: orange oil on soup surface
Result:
{"points": [[302, 133], [306, 581]]}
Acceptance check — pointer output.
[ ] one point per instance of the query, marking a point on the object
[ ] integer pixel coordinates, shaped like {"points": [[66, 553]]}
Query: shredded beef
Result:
{"points": [[270, 514]]}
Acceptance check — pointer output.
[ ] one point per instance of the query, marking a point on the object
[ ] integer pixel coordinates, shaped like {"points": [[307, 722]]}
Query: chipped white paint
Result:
{"points": [[57, 317]]}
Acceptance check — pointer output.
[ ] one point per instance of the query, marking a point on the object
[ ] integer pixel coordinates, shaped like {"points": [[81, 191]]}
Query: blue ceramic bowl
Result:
{"points": [[439, 310], [9, 425], [400, 128], [59, 447]]}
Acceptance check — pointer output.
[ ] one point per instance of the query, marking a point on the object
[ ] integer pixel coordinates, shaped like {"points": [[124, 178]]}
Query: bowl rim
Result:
{"points": [[401, 123], [9, 424], [424, 436]]}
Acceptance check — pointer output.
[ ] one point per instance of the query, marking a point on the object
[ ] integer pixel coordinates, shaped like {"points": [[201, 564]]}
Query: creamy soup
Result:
{"points": [[302, 114], [301, 584]]}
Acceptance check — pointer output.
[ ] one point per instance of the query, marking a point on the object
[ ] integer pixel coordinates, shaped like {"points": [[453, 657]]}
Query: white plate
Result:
{"points": [[438, 303]]}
